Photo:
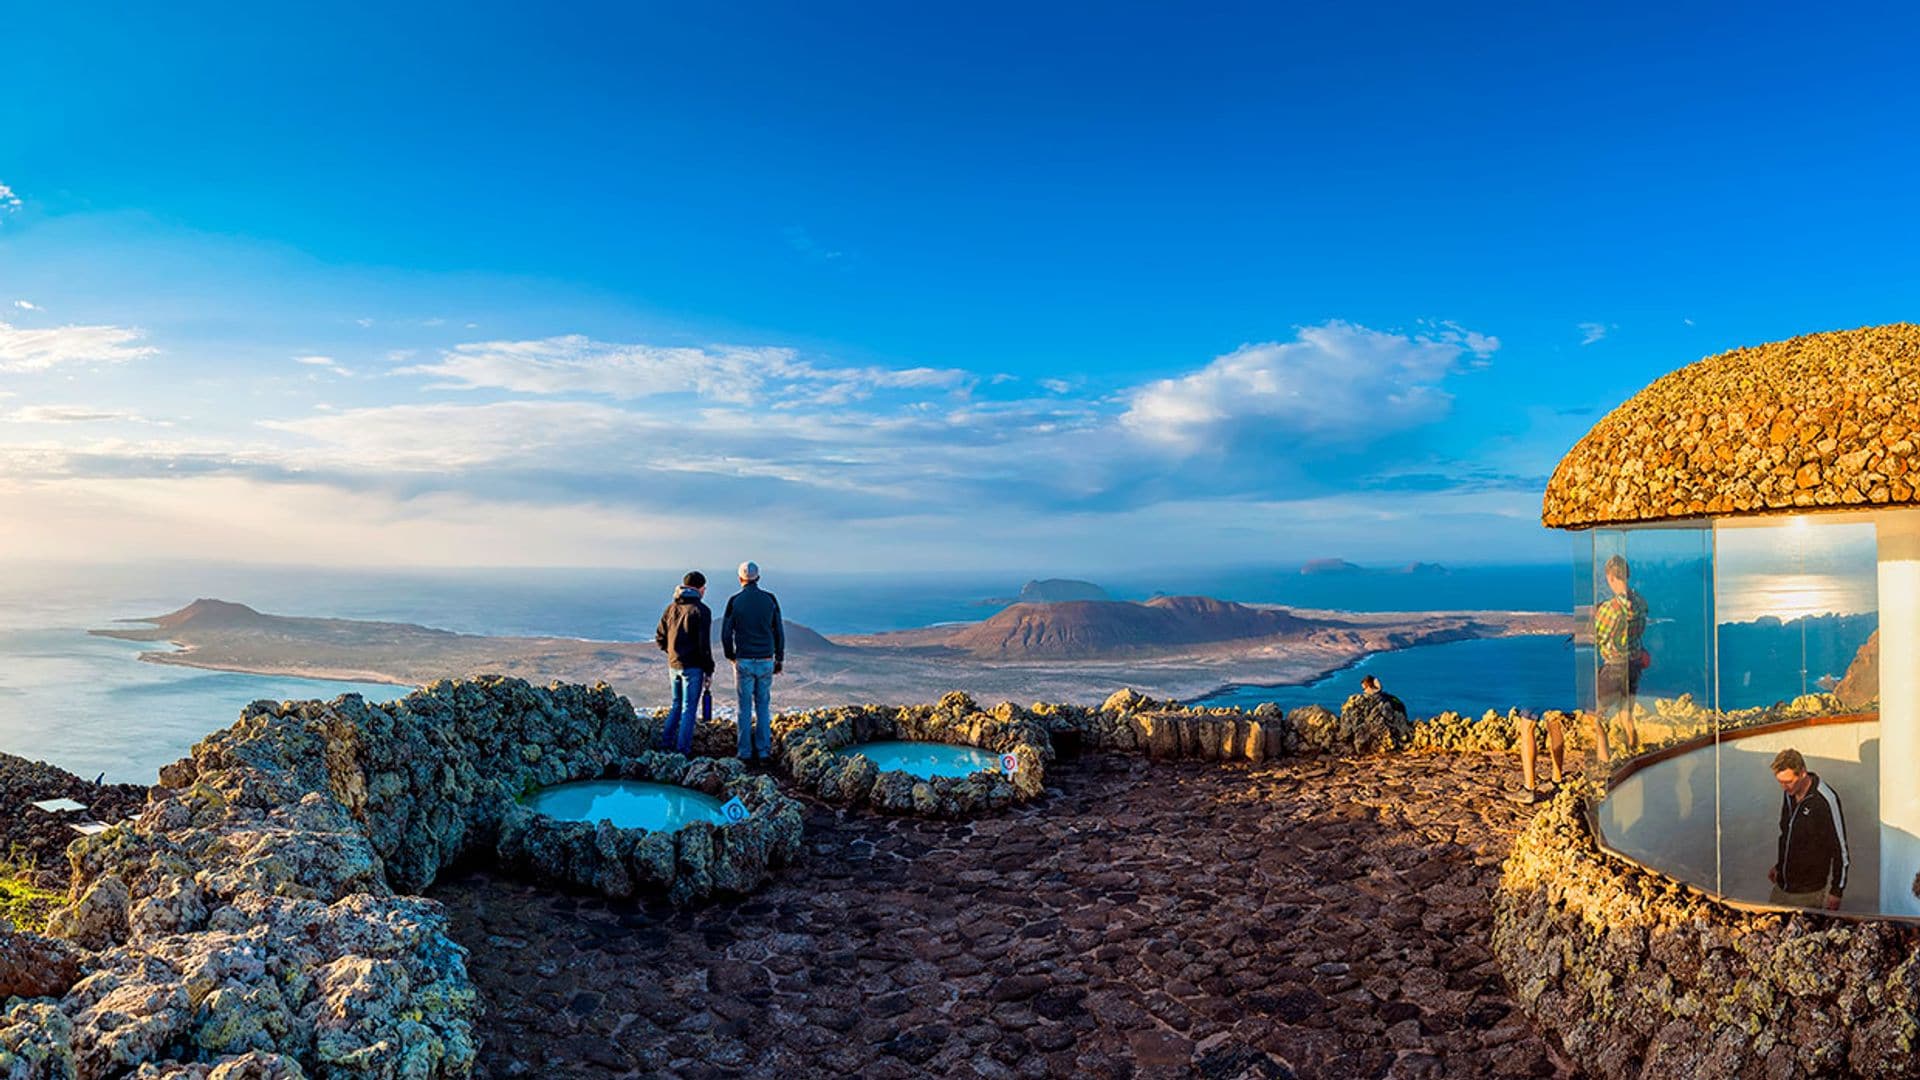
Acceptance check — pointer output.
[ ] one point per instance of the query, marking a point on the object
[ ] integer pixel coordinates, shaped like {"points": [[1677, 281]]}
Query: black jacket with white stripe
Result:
{"points": [[1813, 841]]}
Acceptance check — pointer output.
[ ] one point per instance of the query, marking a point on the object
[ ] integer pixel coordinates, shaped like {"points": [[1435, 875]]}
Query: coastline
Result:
{"points": [[845, 674]]}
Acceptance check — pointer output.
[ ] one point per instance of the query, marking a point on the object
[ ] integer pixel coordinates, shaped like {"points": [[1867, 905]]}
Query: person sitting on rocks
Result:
{"points": [[1811, 868], [685, 634], [1370, 686]]}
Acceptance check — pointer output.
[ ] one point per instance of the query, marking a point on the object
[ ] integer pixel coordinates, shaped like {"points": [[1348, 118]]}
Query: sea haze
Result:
{"points": [[86, 704]]}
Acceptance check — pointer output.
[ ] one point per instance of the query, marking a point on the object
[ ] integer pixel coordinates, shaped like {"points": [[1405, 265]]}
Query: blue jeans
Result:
{"points": [[685, 713], [755, 681]]}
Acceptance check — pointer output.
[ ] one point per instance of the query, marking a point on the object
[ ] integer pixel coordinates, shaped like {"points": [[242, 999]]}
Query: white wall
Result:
{"points": [[1663, 815]]}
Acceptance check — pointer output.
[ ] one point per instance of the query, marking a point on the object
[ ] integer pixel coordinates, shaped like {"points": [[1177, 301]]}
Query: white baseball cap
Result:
{"points": [[750, 571]]}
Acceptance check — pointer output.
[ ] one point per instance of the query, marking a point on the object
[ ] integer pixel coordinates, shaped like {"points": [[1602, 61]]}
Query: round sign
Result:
{"points": [[1010, 762]]}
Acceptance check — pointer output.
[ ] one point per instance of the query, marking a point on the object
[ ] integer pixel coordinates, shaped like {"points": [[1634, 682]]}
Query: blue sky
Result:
{"points": [[1088, 286]]}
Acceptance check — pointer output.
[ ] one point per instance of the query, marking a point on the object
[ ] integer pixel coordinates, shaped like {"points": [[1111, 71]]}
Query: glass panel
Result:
{"points": [[1797, 610], [1650, 714]]}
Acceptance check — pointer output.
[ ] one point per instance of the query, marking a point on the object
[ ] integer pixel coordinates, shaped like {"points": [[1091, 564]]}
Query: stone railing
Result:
{"points": [[1636, 975]]}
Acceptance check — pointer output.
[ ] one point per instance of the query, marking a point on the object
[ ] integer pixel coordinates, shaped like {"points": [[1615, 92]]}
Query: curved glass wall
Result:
{"points": [[1706, 650]]}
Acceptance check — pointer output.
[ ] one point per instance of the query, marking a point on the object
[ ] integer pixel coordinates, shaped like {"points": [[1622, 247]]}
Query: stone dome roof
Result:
{"points": [[1825, 421]]}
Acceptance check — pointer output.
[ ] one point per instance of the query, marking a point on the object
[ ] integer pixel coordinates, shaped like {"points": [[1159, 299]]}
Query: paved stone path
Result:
{"points": [[1316, 918]]}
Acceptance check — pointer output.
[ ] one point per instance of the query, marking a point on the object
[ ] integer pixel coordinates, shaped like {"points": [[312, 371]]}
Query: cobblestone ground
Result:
{"points": [[1312, 918]]}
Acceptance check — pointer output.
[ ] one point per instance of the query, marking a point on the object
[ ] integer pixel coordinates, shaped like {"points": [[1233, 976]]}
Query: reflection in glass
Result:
{"points": [[1722, 647]]}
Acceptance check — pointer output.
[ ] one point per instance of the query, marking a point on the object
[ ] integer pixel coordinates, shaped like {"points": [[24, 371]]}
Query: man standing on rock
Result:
{"points": [[753, 638], [1811, 868], [685, 634]]}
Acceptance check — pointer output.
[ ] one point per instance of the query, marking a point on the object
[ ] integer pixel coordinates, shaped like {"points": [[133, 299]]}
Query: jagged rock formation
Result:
{"points": [[1635, 975], [1860, 686], [35, 966], [258, 905]]}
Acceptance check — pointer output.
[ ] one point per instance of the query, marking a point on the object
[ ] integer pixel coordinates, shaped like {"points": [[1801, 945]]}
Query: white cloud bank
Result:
{"points": [[71, 414], [42, 350], [1337, 383], [888, 460], [8, 200], [737, 374]]}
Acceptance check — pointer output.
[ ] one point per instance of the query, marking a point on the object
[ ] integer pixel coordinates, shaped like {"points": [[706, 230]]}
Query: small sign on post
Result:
{"points": [[735, 811], [1010, 762]]}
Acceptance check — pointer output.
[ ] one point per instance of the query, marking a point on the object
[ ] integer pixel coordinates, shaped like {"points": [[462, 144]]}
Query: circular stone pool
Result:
{"points": [[924, 759], [628, 804]]}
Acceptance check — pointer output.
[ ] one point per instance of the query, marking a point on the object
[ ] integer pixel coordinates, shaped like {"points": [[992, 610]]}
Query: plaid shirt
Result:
{"points": [[1618, 626]]}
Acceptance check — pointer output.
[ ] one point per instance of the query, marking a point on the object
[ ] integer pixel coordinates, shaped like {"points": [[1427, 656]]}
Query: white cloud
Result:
{"points": [[907, 454], [8, 200], [1591, 332], [326, 362], [41, 350], [737, 374], [363, 323], [71, 414], [1337, 383], [27, 305]]}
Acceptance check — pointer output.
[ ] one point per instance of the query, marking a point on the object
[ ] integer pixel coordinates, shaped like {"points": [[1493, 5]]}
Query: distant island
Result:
{"points": [[1341, 566], [1180, 647], [1051, 591]]}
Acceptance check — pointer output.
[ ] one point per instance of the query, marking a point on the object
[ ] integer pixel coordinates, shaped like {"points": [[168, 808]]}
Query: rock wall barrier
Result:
{"points": [[1636, 975]]}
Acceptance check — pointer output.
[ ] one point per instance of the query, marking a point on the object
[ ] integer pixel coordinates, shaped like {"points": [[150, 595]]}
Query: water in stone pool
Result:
{"points": [[630, 804], [925, 759]]}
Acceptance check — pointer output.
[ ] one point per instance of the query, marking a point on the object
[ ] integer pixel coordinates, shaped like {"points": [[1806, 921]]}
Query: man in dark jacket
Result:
{"points": [[686, 636], [1811, 867], [753, 638]]}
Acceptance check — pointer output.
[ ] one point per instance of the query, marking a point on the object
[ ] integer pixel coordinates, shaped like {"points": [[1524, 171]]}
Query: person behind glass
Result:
{"points": [[1810, 867], [1619, 626], [685, 634], [752, 636]]}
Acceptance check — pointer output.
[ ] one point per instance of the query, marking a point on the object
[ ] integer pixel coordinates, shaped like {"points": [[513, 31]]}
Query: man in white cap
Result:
{"points": [[753, 638]]}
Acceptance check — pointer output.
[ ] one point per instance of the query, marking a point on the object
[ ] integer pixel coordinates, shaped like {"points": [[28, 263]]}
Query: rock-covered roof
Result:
{"points": [[1820, 422]]}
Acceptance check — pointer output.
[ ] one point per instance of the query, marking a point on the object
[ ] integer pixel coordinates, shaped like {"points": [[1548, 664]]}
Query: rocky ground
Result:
{"points": [[33, 841], [1312, 917]]}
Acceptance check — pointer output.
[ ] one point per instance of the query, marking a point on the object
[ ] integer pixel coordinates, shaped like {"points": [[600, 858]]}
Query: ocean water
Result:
{"points": [[87, 704], [1468, 677]]}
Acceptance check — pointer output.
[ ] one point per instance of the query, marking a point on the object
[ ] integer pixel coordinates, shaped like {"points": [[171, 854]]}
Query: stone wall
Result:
{"points": [[805, 745], [257, 907], [1635, 975], [691, 863]]}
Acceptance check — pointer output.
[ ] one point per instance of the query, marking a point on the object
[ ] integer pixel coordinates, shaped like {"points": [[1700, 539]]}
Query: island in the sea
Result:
{"points": [[1179, 647]]}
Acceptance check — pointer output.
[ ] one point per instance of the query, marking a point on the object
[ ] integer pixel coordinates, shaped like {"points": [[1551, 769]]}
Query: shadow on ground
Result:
{"points": [[1314, 918]]}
